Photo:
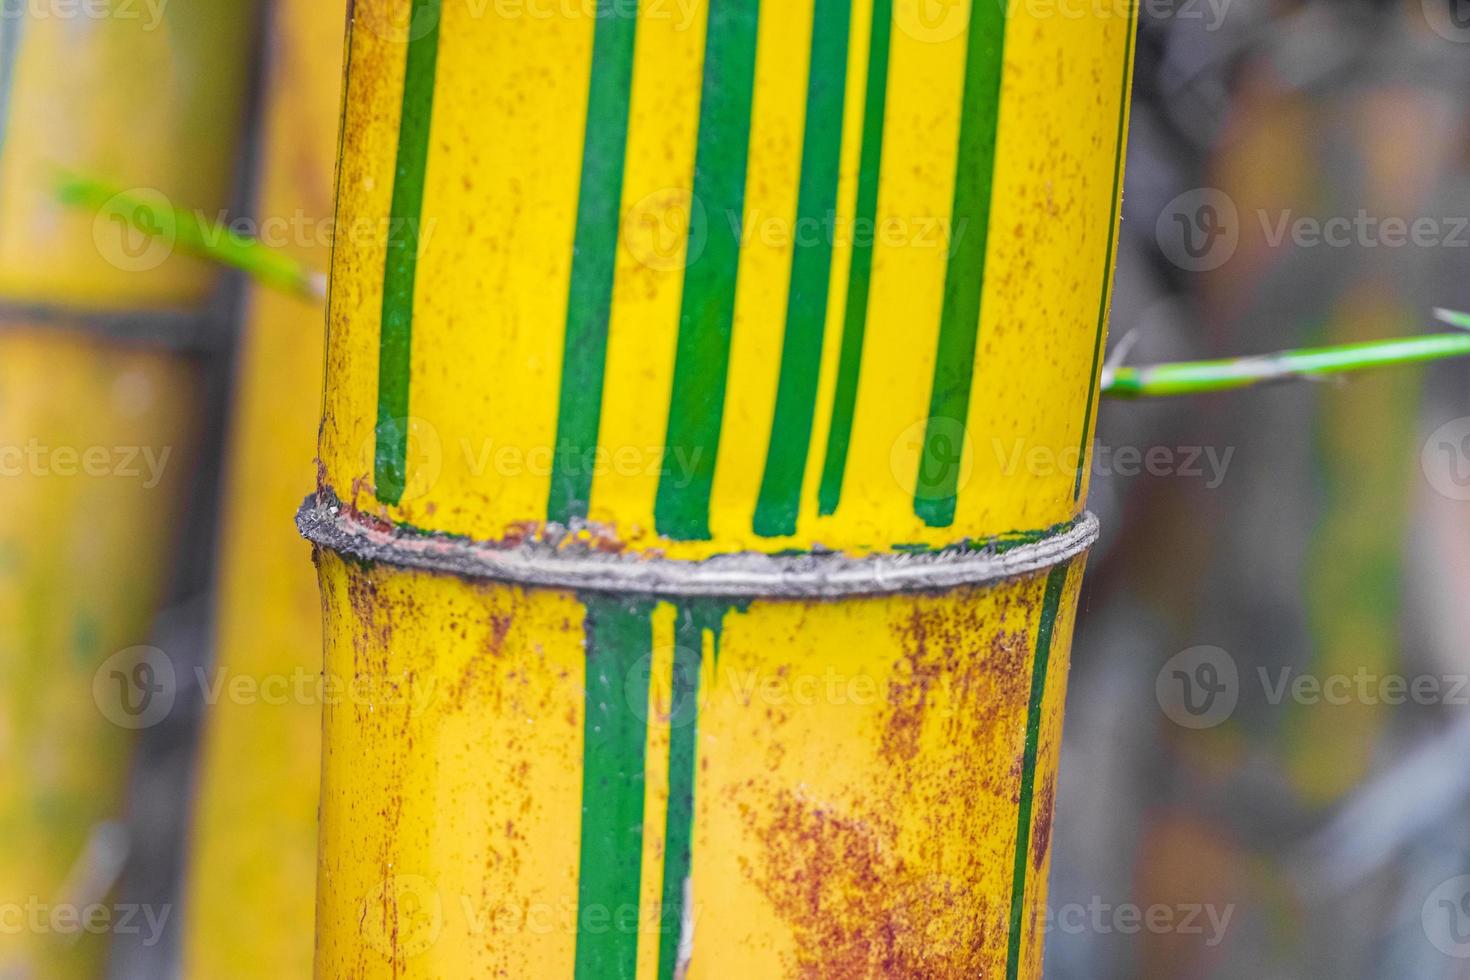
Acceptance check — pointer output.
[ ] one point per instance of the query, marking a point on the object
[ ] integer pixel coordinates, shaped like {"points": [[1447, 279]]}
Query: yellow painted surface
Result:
{"points": [[494, 259], [926, 80], [371, 110], [450, 784], [493, 267], [858, 774], [661, 705], [768, 235], [252, 866], [86, 521], [649, 272], [1048, 244]]}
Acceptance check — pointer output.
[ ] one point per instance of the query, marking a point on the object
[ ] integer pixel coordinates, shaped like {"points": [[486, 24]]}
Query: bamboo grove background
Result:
{"points": [[1318, 528]]}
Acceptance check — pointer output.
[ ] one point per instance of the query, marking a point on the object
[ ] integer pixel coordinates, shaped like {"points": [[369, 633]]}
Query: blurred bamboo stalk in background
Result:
{"points": [[99, 406], [681, 373], [252, 868]]}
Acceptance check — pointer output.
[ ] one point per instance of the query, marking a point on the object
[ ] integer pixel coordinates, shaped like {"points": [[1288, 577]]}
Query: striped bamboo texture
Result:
{"points": [[713, 277], [731, 276]]}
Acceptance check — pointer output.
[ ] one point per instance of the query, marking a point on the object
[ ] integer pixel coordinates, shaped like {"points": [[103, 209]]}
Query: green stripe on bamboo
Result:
{"points": [[689, 631], [619, 640], [1050, 605], [400, 265], [1108, 264], [702, 355], [860, 270], [811, 274], [959, 325], [589, 305]]}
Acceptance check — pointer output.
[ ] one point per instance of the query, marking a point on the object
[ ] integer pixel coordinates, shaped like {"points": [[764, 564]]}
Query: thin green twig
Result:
{"points": [[273, 268], [1197, 377], [152, 215]]}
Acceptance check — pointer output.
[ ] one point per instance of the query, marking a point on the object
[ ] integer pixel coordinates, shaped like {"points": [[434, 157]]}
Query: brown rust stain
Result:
{"points": [[958, 671], [1045, 809], [372, 651], [856, 907], [867, 885]]}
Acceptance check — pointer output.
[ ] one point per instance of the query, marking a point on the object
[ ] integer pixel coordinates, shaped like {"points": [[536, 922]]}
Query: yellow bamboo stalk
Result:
{"points": [[252, 871], [97, 430], [699, 514]]}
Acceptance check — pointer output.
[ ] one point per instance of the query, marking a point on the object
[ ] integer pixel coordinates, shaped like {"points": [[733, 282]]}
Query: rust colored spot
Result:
{"points": [[1045, 808], [873, 884], [481, 670], [856, 909], [958, 672]]}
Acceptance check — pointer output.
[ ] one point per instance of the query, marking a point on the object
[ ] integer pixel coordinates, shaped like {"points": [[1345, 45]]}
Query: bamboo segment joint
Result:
{"points": [[551, 563]]}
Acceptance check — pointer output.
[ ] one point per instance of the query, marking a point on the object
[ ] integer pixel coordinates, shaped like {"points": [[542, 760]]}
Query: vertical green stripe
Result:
{"points": [[589, 303], [1050, 606], [400, 264], [619, 641], [679, 821], [1107, 274], [701, 364], [864, 229], [959, 325], [811, 272]]}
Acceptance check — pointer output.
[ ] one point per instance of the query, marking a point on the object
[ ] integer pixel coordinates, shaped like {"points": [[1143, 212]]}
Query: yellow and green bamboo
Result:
{"points": [[252, 861], [92, 388], [703, 617]]}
